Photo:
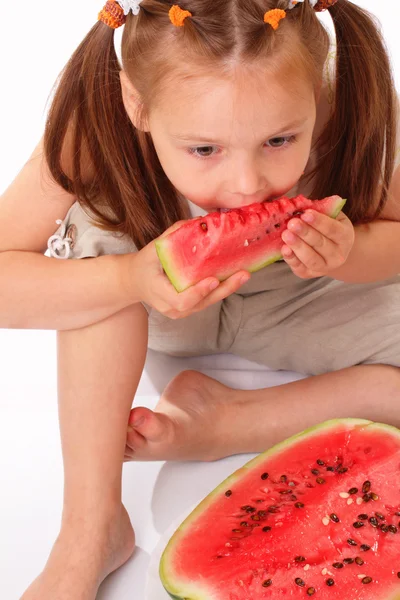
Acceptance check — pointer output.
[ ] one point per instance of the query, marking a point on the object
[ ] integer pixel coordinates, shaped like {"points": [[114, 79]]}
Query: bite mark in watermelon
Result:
{"points": [[316, 515], [223, 243]]}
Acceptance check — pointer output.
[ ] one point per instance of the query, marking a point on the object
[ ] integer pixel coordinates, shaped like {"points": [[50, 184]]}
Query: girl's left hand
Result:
{"points": [[316, 244]]}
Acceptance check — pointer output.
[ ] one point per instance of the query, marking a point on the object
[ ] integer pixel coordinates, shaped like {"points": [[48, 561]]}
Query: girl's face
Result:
{"points": [[226, 143]]}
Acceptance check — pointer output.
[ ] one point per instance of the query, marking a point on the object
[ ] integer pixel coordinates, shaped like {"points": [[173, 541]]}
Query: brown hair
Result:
{"points": [[356, 149]]}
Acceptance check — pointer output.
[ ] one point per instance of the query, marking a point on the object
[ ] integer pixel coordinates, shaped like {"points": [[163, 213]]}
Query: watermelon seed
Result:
{"points": [[320, 463], [267, 528], [293, 497], [204, 226], [350, 501], [398, 574], [344, 495], [384, 528], [365, 547], [283, 478], [255, 517], [267, 583], [300, 559], [264, 476], [363, 517], [259, 501], [273, 508], [299, 505], [359, 500], [246, 243], [293, 483], [236, 531], [311, 591], [315, 471], [358, 524], [397, 514], [262, 513], [366, 580], [392, 529], [366, 486], [367, 497], [228, 493], [325, 520], [373, 521], [306, 567], [348, 561], [297, 213], [244, 524], [330, 469], [337, 565], [277, 225], [330, 582], [334, 518], [351, 542], [320, 480], [374, 496], [380, 516], [359, 561], [299, 582], [343, 470], [353, 490], [285, 492]]}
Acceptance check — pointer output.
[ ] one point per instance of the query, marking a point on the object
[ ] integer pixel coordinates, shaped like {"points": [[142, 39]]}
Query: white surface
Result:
{"points": [[35, 43]]}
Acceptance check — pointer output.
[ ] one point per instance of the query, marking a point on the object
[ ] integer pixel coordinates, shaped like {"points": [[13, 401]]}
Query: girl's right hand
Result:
{"points": [[153, 287]]}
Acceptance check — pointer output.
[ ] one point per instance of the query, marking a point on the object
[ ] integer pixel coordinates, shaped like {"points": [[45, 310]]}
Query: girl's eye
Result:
{"points": [[203, 151], [288, 139]]}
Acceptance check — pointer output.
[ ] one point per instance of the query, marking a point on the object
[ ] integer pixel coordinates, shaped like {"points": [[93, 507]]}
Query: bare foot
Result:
{"points": [[81, 559], [197, 418]]}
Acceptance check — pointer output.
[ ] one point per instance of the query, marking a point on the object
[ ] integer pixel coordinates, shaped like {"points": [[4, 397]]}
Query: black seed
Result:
{"points": [[359, 561], [374, 496], [380, 516], [367, 497], [363, 517], [343, 470], [366, 580], [267, 528], [259, 501], [277, 225], [353, 490], [255, 517], [298, 213], [299, 505], [315, 471], [299, 582], [384, 528], [320, 463], [330, 469], [273, 509], [397, 514], [351, 542], [337, 565], [320, 480], [267, 583], [366, 486], [264, 476], [293, 497], [373, 521], [285, 492], [244, 524], [236, 531], [334, 518], [311, 591], [392, 529], [358, 524], [228, 493], [398, 574], [300, 559], [283, 478], [204, 226], [365, 547], [330, 582], [250, 509], [348, 561], [262, 513]]}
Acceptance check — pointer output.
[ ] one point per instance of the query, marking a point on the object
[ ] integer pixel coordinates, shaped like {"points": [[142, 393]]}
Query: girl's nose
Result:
{"points": [[248, 183]]}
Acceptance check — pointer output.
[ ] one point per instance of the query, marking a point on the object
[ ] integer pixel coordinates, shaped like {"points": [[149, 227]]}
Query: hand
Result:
{"points": [[316, 244], [154, 288]]}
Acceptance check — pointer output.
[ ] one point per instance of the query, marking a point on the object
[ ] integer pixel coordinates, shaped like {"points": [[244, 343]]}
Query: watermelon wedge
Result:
{"points": [[316, 515], [222, 243]]}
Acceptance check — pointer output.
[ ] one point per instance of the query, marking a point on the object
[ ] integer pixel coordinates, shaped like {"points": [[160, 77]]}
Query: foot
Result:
{"points": [[197, 418], [82, 557]]}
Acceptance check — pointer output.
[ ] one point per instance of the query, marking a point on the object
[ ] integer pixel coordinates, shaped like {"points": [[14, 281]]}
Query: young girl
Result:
{"points": [[219, 104]]}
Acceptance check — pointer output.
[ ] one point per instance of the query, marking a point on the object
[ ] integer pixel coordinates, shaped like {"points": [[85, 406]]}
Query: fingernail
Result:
{"points": [[214, 285], [308, 217], [244, 279]]}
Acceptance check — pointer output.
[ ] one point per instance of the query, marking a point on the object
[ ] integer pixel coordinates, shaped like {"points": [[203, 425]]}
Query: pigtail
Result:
{"points": [[112, 166], [357, 147]]}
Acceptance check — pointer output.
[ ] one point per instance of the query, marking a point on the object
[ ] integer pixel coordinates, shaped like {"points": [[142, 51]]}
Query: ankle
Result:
{"points": [[91, 518]]}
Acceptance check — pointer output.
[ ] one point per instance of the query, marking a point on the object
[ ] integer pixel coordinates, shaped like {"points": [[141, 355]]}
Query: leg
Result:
{"points": [[99, 369], [198, 418]]}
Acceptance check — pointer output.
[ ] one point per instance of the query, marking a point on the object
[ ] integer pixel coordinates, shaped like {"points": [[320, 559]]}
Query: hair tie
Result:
{"points": [[115, 12], [177, 15], [274, 16], [318, 5]]}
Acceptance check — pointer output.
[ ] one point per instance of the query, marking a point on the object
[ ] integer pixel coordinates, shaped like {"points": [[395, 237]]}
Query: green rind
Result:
{"points": [[172, 272], [172, 588]]}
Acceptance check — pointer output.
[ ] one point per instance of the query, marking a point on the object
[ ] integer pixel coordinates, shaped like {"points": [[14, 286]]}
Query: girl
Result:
{"points": [[219, 104]]}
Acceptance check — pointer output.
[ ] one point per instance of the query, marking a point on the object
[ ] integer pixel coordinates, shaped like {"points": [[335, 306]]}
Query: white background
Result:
{"points": [[36, 41]]}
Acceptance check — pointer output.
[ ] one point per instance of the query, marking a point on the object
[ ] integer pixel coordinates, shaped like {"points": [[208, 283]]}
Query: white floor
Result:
{"points": [[155, 494]]}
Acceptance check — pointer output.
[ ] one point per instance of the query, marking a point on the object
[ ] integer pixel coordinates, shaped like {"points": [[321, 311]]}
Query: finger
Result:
{"points": [[305, 253], [225, 289], [333, 229], [314, 238]]}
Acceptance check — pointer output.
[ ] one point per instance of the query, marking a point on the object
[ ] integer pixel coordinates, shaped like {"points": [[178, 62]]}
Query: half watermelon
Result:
{"points": [[223, 243], [317, 515]]}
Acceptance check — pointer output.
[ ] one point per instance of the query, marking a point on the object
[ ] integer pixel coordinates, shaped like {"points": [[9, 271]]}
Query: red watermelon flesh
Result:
{"points": [[317, 515], [223, 243]]}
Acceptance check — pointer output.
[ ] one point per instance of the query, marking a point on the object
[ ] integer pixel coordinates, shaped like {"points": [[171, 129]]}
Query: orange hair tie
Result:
{"points": [[177, 15], [112, 14], [274, 16]]}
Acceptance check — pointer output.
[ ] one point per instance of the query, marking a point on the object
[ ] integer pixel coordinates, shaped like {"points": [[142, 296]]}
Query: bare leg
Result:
{"points": [[99, 369], [198, 418]]}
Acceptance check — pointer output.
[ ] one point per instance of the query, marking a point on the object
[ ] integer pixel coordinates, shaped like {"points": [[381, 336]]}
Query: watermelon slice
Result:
{"points": [[223, 243], [316, 515]]}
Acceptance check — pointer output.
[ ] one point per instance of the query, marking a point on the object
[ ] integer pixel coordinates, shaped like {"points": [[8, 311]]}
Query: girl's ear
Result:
{"points": [[132, 103]]}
